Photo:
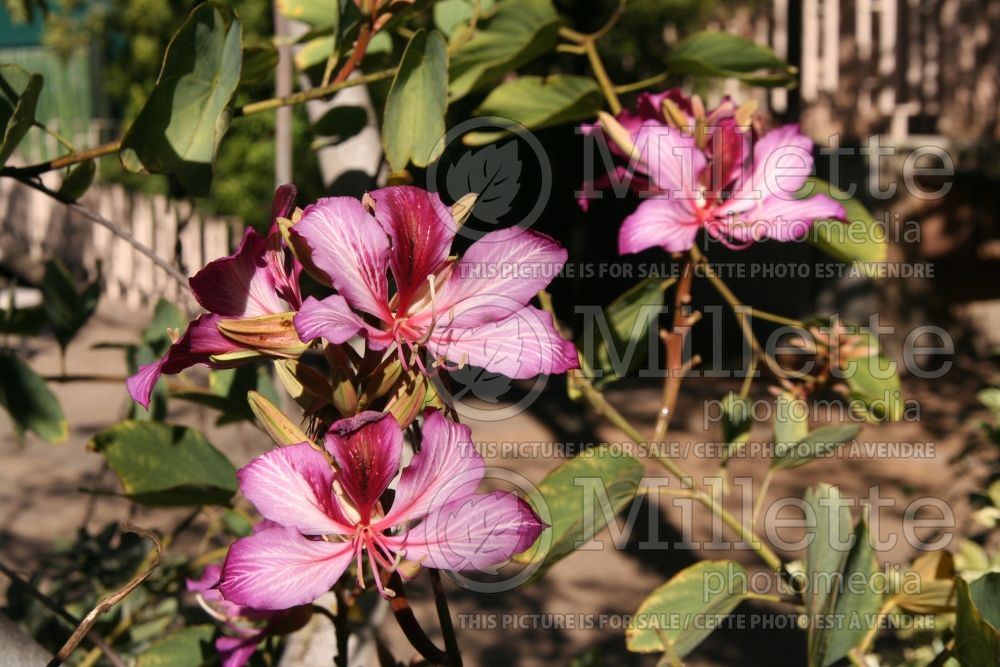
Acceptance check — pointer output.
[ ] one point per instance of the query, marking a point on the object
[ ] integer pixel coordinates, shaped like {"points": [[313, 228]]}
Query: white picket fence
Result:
{"points": [[35, 226]]}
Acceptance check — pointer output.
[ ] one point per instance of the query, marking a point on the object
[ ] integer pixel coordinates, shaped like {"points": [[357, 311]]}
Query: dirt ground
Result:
{"points": [[594, 590]]}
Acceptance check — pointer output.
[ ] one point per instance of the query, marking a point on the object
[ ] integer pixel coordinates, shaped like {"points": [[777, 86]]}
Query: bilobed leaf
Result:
{"points": [[188, 646], [629, 318], [683, 611], [77, 181], [719, 54], [179, 129], [29, 402], [816, 443], [858, 602], [568, 491], [860, 238], [535, 102], [519, 32], [67, 308], [830, 541], [19, 93], [413, 127], [977, 641], [163, 465]]}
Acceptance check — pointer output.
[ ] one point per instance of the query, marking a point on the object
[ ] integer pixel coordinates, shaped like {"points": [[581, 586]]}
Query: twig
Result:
{"points": [[111, 600], [674, 341], [94, 216], [411, 628], [92, 635], [444, 618], [113, 147], [640, 85], [118, 379]]}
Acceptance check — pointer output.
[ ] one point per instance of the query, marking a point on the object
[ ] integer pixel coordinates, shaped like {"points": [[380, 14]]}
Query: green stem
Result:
{"points": [[640, 85], [603, 80]]}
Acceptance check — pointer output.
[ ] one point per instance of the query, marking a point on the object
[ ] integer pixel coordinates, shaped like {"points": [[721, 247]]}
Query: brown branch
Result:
{"points": [[444, 618], [53, 606], [674, 342], [111, 600], [410, 626]]}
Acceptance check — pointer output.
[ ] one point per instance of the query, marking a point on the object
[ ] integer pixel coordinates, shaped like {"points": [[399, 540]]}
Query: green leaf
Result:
{"points": [[873, 385], [179, 129], [698, 597], [719, 54], [413, 127], [314, 52], [163, 465], [23, 321], [186, 647], [977, 642], [858, 602], [629, 318], [66, 308], [259, 62], [317, 13], [791, 419], [519, 32], [790, 454], [450, 14], [737, 421], [29, 402], [166, 316], [571, 501], [861, 238], [991, 399], [228, 389], [19, 93], [827, 552], [985, 592], [535, 102], [77, 181]]}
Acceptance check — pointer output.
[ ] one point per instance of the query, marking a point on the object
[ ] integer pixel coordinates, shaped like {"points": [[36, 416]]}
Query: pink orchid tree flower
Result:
{"points": [[709, 169], [260, 279], [330, 517], [473, 310], [246, 626]]}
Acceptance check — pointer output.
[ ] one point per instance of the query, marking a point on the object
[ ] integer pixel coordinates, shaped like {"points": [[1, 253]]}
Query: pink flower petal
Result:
{"points": [[201, 341], [367, 450], [293, 486], [473, 533], [782, 160], [237, 651], [421, 229], [278, 568], [521, 345], [446, 468], [783, 219], [330, 318], [671, 158], [240, 285], [340, 239], [661, 222], [504, 267]]}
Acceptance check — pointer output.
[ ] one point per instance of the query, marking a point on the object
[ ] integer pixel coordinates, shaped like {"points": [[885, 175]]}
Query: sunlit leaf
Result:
{"points": [[535, 102], [720, 54], [19, 93], [179, 129], [163, 465], [519, 32], [697, 597], [814, 444], [568, 491], [860, 238]]}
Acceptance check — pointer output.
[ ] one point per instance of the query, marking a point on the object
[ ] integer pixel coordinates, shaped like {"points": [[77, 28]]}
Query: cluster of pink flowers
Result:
{"points": [[709, 169], [395, 285]]}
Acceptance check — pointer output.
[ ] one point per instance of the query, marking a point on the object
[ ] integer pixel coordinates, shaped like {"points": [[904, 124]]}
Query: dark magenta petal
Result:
{"points": [[367, 448], [241, 285]]}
